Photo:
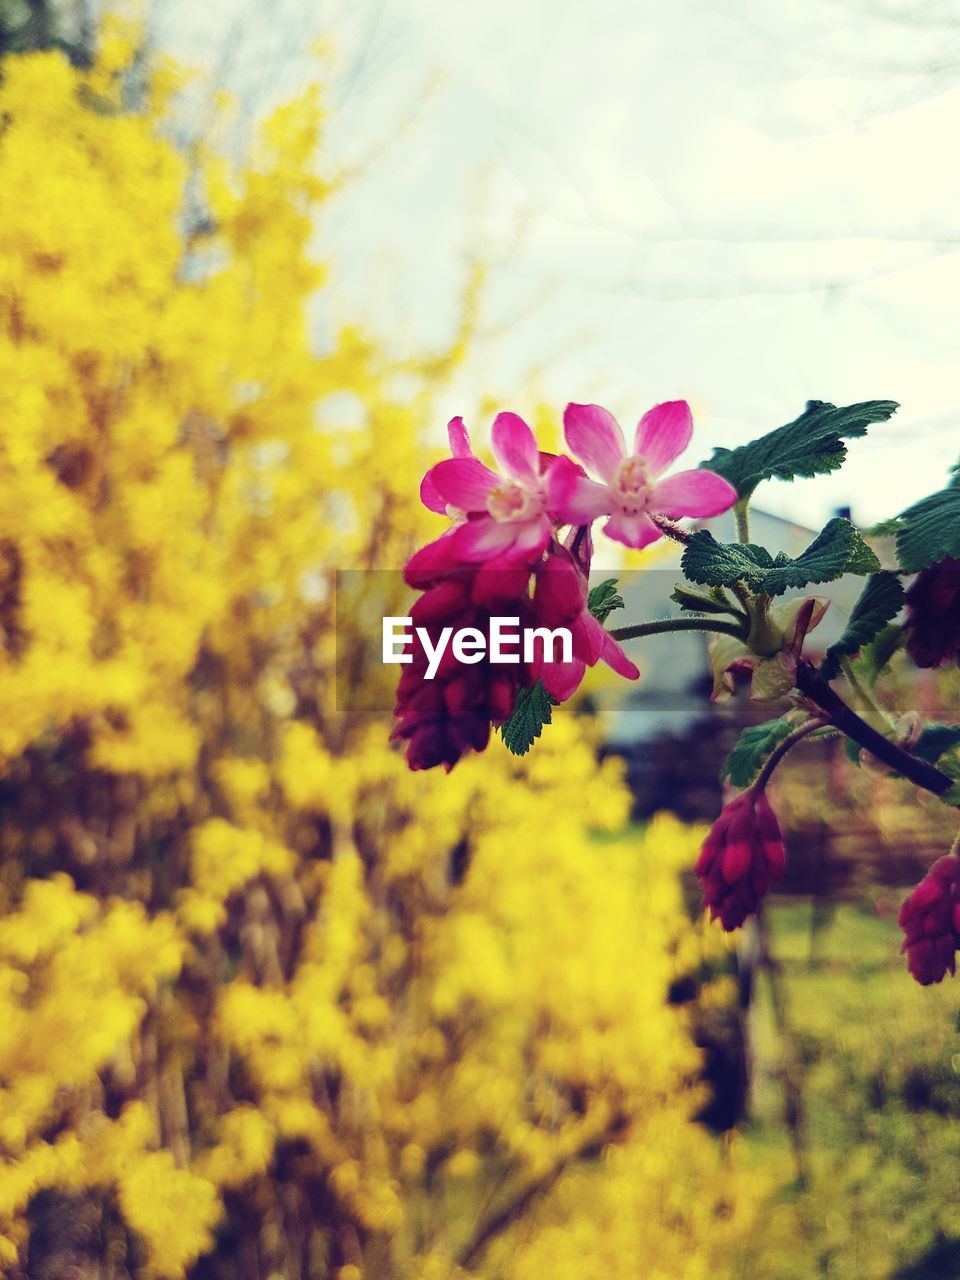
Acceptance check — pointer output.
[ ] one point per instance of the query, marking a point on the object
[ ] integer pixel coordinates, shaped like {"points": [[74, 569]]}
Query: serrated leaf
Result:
{"points": [[700, 601], [603, 599], [880, 600], [531, 713], [936, 740], [811, 445], [931, 529], [751, 749], [836, 550]]}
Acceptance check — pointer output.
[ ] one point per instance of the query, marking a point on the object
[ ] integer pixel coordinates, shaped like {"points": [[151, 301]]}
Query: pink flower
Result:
{"points": [[930, 920], [501, 514], [441, 719], [630, 489], [742, 853], [560, 600]]}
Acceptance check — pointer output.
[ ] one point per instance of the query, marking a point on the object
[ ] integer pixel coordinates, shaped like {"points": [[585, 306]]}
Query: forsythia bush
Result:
{"points": [[270, 1005]]}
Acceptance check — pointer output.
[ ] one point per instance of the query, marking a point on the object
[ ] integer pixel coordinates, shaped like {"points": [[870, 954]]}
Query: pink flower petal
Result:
{"points": [[594, 435], [486, 537], [463, 482], [430, 496], [562, 679], [515, 448], [663, 433], [580, 501], [693, 493], [633, 531], [433, 561], [459, 440], [480, 539], [617, 660]]}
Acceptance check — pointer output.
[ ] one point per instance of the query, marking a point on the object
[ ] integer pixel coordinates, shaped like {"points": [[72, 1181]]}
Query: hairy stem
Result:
{"points": [[662, 625], [742, 517], [777, 754], [672, 530], [813, 686]]}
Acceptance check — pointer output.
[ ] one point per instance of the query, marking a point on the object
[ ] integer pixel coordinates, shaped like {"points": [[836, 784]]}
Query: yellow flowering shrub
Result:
{"points": [[269, 1003]]}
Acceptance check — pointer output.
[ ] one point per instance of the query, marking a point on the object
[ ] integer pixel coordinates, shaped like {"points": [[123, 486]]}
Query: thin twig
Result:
{"points": [[788, 743]]}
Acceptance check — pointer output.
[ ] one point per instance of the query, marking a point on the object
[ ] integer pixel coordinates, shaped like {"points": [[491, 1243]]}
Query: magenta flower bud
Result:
{"points": [[933, 615], [742, 853], [930, 920]]}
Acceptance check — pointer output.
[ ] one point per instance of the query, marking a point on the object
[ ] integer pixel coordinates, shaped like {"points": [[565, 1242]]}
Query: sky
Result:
{"points": [[743, 204]]}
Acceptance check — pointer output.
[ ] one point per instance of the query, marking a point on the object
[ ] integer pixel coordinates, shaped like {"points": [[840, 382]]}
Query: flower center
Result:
{"points": [[509, 502], [632, 484]]}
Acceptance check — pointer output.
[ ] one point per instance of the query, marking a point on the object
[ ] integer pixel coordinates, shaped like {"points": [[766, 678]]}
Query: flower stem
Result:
{"points": [[663, 625], [813, 686], [788, 743], [742, 516], [672, 530]]}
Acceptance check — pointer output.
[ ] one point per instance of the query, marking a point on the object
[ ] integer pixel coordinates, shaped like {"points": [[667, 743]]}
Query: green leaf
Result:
{"points": [[936, 740], [603, 599], [811, 445], [751, 749], [931, 529], [876, 655], [702, 601], [836, 550], [952, 795], [531, 713], [880, 600]]}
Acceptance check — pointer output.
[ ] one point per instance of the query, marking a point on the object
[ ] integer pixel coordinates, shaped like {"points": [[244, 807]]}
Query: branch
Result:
{"points": [[514, 1209], [663, 625], [813, 686]]}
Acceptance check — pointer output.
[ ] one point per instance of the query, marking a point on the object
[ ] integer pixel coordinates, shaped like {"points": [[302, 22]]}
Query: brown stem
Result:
{"points": [[813, 686]]}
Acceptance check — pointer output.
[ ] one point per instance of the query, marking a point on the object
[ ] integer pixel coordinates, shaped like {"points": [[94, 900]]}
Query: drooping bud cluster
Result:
{"points": [[742, 853], [930, 920], [507, 525], [443, 717], [933, 615]]}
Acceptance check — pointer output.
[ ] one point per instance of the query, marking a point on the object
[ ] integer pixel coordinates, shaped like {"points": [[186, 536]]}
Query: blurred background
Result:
{"points": [[270, 1005]]}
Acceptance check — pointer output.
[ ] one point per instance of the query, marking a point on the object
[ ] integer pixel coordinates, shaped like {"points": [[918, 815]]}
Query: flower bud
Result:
{"points": [[933, 615], [930, 920], [743, 852]]}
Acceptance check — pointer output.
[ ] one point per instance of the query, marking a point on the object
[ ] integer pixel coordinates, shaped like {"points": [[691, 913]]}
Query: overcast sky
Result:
{"points": [[741, 203]]}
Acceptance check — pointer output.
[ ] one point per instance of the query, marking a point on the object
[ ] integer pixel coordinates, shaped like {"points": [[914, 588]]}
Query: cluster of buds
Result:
{"points": [[741, 855], [933, 615], [519, 542], [930, 920]]}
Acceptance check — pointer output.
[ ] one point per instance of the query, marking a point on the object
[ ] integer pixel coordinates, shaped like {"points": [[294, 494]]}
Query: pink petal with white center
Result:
{"points": [[663, 433], [633, 531], [463, 482], [515, 448], [459, 440], [594, 435], [693, 493], [580, 501]]}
